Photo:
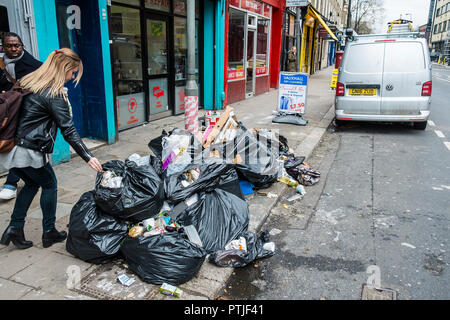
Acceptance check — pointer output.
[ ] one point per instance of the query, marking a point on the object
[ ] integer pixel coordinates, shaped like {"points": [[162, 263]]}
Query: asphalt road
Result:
{"points": [[380, 211]]}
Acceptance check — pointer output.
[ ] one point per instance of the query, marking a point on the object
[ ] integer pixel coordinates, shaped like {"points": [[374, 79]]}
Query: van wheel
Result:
{"points": [[420, 125]]}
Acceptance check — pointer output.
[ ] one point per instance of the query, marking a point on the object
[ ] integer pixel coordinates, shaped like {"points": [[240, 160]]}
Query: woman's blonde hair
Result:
{"points": [[52, 74]]}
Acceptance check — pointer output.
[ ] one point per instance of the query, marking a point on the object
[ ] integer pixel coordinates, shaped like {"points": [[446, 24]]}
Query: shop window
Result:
{"points": [[160, 5], [127, 66], [157, 47], [180, 7], [261, 46], [180, 50], [236, 45], [130, 2]]}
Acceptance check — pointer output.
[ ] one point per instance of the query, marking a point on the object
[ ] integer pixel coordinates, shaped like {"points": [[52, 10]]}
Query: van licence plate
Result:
{"points": [[363, 92]]}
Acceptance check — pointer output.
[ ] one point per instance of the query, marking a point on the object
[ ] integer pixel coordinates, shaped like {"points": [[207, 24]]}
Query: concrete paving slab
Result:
{"points": [[49, 272], [10, 290]]}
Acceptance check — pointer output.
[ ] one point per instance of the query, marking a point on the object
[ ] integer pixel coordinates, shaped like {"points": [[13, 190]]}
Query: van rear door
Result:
{"points": [[362, 77], [405, 71]]}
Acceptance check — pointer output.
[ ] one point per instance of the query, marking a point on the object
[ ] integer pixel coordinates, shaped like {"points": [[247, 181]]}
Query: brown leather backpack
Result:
{"points": [[10, 104]]}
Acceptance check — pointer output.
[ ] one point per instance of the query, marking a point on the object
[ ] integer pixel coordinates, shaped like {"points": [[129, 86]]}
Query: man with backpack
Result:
{"points": [[15, 63]]}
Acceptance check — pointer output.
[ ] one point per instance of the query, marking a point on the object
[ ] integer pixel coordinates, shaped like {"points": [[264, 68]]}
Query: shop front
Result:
{"points": [[315, 41], [253, 44], [149, 55]]}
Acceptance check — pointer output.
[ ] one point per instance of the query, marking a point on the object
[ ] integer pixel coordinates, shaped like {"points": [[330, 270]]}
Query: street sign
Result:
{"points": [[334, 78], [292, 92], [296, 3]]}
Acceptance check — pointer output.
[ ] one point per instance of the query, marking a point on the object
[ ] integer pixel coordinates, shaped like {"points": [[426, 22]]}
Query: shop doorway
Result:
{"points": [[158, 66], [250, 56]]}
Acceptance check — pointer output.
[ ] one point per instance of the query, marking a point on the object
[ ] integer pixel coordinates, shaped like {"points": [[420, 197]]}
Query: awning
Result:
{"points": [[317, 16]]}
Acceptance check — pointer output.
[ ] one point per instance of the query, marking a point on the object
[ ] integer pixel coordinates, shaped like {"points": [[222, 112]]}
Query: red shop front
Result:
{"points": [[253, 31]]}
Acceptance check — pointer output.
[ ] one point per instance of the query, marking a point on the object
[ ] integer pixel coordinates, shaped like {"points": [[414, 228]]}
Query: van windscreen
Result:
{"points": [[404, 57], [365, 58]]}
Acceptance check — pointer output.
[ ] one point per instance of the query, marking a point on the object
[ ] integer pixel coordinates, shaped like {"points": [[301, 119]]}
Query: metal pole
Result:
{"points": [[298, 32], [349, 14], [191, 91]]}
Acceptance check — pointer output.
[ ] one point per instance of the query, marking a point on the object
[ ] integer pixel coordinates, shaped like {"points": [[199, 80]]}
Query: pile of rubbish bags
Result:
{"points": [[166, 213]]}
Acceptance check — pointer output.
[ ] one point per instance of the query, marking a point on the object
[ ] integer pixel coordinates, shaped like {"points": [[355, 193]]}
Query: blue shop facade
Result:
{"points": [[134, 54]]}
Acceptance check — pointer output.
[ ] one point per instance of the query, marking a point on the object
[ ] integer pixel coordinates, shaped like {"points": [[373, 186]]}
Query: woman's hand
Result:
{"points": [[95, 164]]}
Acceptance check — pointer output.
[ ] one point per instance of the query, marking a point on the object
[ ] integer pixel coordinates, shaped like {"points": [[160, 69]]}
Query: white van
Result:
{"points": [[385, 78]]}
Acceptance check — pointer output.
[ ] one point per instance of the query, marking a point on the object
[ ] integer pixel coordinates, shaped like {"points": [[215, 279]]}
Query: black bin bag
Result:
{"points": [[212, 176], [239, 258], [218, 216], [168, 257], [140, 197], [94, 236], [254, 157]]}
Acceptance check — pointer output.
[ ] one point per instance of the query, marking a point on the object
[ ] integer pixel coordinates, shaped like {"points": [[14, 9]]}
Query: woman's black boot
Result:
{"points": [[16, 235], [53, 236]]}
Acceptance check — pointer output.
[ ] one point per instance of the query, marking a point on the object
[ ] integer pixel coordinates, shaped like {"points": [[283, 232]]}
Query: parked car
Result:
{"points": [[385, 78]]}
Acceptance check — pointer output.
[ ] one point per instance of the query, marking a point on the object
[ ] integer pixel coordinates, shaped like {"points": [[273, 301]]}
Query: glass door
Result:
{"points": [[250, 57], [158, 66]]}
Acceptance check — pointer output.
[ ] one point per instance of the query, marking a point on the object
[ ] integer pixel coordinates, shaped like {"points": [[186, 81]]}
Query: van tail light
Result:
{"points": [[340, 89], [426, 89]]}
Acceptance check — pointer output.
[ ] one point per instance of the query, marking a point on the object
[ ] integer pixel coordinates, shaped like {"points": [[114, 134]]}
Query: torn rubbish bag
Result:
{"points": [[179, 149], [218, 216], [255, 159], [256, 247], [168, 257], [181, 186], [140, 196], [303, 173], [94, 236]]}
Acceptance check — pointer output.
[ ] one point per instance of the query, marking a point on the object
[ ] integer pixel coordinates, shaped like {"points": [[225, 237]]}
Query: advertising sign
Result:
{"points": [[292, 92], [334, 78], [296, 3]]}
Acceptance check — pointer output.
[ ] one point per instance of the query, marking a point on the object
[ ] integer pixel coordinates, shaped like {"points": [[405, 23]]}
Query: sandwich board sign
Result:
{"points": [[292, 92]]}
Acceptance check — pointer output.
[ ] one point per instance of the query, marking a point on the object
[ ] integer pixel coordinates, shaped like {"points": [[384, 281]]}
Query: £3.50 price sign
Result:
{"points": [[292, 92]]}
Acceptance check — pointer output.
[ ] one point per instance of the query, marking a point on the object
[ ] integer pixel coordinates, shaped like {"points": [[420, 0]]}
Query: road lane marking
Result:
{"points": [[431, 123], [442, 79], [447, 144], [439, 133]]}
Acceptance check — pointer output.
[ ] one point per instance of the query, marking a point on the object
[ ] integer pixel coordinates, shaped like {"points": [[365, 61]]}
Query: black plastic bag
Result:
{"points": [[168, 257], [94, 236], [239, 258], [300, 171], [218, 216], [255, 159], [140, 197], [211, 177]]}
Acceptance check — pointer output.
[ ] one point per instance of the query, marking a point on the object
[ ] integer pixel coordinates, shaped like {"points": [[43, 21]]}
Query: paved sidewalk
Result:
{"points": [[38, 273]]}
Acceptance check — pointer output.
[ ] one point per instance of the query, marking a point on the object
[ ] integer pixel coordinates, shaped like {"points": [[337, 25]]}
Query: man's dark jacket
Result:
{"points": [[23, 67]]}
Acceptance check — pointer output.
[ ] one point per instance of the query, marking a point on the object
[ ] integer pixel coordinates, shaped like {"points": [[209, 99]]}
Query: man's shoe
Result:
{"points": [[7, 194], [16, 235], [53, 236]]}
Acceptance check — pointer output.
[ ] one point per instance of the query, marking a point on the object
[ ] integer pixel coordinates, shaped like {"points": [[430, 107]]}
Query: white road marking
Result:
{"points": [[439, 133], [447, 144], [442, 79], [408, 245], [431, 123]]}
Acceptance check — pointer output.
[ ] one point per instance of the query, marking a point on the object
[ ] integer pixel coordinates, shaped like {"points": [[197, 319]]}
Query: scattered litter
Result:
{"points": [[294, 197], [408, 245], [125, 280], [111, 180], [272, 195], [170, 290], [285, 206]]}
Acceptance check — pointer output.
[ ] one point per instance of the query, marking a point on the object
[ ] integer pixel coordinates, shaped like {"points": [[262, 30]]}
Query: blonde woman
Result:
{"points": [[43, 112]]}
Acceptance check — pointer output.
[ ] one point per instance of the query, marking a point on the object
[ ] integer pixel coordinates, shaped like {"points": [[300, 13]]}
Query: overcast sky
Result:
{"points": [[394, 8]]}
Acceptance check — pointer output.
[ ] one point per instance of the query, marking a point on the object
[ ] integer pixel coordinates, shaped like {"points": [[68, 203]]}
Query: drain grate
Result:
{"points": [[371, 293], [102, 284]]}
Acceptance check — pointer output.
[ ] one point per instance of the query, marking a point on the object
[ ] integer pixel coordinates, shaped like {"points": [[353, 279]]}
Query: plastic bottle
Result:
{"points": [[293, 184]]}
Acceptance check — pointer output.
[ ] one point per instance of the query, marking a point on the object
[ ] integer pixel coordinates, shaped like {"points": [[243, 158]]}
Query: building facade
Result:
{"points": [[321, 21], [440, 30]]}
